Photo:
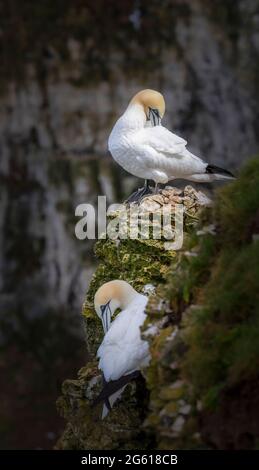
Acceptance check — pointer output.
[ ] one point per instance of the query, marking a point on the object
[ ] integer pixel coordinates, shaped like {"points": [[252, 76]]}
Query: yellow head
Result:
{"points": [[153, 104], [109, 297]]}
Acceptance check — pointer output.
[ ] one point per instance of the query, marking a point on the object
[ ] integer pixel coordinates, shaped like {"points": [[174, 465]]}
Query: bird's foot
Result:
{"points": [[140, 194]]}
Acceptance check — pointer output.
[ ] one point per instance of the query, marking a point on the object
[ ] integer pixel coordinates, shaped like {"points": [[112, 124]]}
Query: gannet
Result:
{"points": [[153, 152], [122, 352]]}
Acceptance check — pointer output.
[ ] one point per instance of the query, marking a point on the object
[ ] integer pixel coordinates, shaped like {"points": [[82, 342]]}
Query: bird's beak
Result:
{"points": [[154, 117], [106, 316]]}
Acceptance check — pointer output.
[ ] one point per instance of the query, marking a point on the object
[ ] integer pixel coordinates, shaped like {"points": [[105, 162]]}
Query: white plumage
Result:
{"points": [[154, 152], [122, 350]]}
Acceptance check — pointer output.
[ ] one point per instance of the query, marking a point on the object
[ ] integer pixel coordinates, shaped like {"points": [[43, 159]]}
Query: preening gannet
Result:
{"points": [[153, 152], [122, 353]]}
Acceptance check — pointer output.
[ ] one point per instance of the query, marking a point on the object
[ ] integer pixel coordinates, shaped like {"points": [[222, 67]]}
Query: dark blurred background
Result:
{"points": [[67, 71]]}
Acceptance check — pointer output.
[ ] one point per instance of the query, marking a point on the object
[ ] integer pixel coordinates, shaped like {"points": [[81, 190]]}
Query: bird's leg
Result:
{"points": [[138, 195], [147, 189], [156, 189]]}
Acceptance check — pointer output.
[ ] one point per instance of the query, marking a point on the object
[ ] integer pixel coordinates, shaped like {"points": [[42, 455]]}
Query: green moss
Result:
{"points": [[139, 262], [237, 205], [211, 293], [85, 428], [204, 320], [221, 336], [132, 260]]}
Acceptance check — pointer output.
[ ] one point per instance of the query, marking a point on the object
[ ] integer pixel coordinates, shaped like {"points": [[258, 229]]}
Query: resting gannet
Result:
{"points": [[122, 353], [146, 149]]}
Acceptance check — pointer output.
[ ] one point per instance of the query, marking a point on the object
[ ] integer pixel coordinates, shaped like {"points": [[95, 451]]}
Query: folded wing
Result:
{"points": [[122, 349], [165, 142]]}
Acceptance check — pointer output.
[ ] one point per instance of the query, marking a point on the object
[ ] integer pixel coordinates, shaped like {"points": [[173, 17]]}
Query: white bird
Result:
{"points": [[122, 353], [153, 152]]}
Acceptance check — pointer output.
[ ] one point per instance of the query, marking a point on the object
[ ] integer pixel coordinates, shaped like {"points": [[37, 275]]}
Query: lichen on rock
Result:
{"points": [[141, 262], [201, 325], [203, 376]]}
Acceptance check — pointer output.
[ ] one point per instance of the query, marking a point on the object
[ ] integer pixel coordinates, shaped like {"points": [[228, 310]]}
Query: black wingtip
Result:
{"points": [[213, 169], [113, 386]]}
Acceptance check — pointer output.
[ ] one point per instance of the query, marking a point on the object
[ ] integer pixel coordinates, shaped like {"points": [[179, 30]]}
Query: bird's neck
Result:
{"points": [[134, 117], [135, 297]]}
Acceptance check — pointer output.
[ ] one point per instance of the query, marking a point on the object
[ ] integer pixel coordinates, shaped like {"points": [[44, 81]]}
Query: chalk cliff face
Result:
{"points": [[67, 73], [63, 97], [64, 84]]}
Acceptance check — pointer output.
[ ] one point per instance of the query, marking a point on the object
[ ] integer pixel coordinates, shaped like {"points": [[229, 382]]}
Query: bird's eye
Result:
{"points": [[104, 306]]}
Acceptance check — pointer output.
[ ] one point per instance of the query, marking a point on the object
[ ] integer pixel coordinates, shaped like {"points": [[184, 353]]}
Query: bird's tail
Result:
{"points": [[112, 390], [111, 400], [211, 173], [219, 173]]}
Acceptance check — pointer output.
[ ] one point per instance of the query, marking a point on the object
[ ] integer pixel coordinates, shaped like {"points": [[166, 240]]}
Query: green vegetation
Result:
{"points": [[139, 262], [222, 335], [202, 326]]}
